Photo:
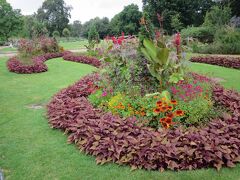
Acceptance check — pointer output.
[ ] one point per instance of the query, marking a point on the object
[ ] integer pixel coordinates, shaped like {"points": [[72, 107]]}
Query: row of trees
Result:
{"points": [[53, 16]]}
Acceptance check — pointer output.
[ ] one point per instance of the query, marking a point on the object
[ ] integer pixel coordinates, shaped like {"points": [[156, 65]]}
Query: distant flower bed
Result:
{"points": [[230, 62], [113, 139], [38, 66], [82, 59]]}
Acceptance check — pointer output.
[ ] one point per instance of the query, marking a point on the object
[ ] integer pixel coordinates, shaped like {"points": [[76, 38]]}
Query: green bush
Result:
{"points": [[203, 34], [226, 41], [197, 111]]}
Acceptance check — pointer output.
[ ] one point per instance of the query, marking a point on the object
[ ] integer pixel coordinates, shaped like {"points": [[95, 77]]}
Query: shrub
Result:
{"points": [[197, 111], [56, 34], [203, 34], [38, 46], [66, 33]]}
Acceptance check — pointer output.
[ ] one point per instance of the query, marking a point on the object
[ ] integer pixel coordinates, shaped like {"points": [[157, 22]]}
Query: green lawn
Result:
{"points": [[30, 149], [230, 77], [7, 49], [74, 45]]}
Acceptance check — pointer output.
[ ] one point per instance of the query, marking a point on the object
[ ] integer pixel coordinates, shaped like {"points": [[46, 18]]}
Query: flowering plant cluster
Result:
{"points": [[191, 89], [152, 111], [37, 46]]}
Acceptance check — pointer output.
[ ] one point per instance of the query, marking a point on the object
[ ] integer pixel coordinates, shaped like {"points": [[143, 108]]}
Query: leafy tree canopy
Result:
{"points": [[76, 28], [190, 12], [11, 21], [55, 13], [126, 21]]}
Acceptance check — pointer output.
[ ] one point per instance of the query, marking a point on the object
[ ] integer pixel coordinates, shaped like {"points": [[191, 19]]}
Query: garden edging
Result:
{"points": [[229, 62]]}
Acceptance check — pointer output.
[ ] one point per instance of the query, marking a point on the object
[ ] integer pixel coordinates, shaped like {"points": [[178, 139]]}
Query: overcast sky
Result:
{"points": [[83, 10]]}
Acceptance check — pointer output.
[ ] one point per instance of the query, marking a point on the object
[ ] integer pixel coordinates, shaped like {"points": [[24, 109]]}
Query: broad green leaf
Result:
{"points": [[145, 53], [151, 49]]}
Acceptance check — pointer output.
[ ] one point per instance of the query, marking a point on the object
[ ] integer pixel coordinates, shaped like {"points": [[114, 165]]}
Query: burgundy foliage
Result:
{"points": [[14, 65], [82, 59], [112, 139], [38, 66], [231, 62]]}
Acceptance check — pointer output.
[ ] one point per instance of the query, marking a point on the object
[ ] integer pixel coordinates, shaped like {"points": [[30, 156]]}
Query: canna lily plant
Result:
{"points": [[159, 63]]}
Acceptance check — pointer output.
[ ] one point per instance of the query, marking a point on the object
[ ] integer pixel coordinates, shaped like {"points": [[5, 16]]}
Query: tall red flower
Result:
{"points": [[177, 39]]}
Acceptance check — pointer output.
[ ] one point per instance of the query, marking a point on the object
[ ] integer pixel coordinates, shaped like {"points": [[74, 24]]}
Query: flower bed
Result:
{"points": [[231, 62], [112, 139], [38, 66], [82, 59]]}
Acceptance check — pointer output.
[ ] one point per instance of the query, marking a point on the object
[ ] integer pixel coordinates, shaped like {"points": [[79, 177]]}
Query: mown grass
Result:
{"points": [[30, 149], [7, 50], [73, 45]]}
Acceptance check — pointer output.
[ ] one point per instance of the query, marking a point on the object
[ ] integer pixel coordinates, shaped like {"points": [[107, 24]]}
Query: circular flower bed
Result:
{"points": [[112, 139]]}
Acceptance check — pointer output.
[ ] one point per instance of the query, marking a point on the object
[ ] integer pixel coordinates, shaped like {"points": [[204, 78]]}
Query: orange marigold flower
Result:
{"points": [[165, 125], [174, 102], [155, 97], [164, 99], [170, 115], [157, 110], [159, 103], [143, 113], [168, 120], [179, 113], [164, 109], [170, 108], [162, 120]]}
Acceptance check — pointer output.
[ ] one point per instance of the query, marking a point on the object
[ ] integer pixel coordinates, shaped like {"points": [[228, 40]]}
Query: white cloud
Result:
{"points": [[83, 10]]}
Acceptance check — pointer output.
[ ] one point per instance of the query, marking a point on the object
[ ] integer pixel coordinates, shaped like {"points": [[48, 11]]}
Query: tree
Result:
{"points": [[56, 34], [191, 12], [176, 23], [93, 34], [76, 28], [126, 21], [233, 4], [218, 16], [55, 13], [11, 21], [33, 28], [101, 25], [66, 33]]}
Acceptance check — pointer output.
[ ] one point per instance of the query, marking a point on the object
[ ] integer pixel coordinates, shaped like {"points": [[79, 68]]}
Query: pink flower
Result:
{"points": [[104, 94]]}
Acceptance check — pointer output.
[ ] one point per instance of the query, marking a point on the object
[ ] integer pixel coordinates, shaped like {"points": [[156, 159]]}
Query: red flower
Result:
{"points": [[168, 120], [157, 110], [179, 113], [177, 39]]}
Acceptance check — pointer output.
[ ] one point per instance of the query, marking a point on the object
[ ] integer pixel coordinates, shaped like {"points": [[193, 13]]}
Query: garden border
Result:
{"points": [[224, 61]]}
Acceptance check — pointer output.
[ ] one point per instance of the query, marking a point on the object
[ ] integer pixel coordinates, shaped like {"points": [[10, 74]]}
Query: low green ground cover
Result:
{"points": [[73, 45]]}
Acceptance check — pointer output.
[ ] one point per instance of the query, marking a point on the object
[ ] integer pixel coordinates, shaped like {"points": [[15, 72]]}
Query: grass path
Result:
{"points": [[29, 149]]}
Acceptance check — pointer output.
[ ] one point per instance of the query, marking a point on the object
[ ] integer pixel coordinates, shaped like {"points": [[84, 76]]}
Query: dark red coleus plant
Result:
{"points": [[225, 61]]}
